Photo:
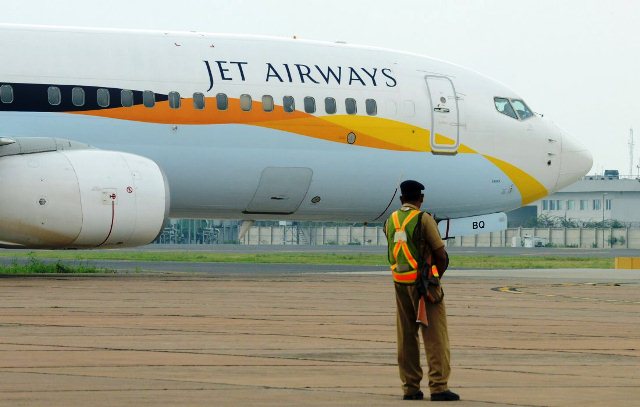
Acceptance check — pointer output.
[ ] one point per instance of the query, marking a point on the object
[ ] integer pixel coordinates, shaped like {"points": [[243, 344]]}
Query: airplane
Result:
{"points": [[106, 133]]}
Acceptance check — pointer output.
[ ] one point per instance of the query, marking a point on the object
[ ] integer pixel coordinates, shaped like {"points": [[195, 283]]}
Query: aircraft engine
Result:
{"points": [[81, 199]]}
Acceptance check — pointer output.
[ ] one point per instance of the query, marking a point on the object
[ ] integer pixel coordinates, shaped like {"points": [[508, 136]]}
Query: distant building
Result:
{"points": [[596, 198]]}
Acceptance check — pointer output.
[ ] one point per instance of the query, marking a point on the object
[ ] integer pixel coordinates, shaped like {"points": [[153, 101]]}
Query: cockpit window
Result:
{"points": [[504, 106], [522, 109], [515, 108]]}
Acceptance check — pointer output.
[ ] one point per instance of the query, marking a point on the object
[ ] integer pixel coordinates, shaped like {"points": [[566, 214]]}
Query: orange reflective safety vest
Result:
{"points": [[403, 252]]}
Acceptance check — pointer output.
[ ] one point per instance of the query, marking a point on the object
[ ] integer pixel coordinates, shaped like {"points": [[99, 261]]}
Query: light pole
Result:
{"points": [[603, 196]]}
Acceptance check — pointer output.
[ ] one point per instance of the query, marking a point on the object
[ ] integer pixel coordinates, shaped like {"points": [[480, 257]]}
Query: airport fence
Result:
{"points": [[315, 235], [512, 237]]}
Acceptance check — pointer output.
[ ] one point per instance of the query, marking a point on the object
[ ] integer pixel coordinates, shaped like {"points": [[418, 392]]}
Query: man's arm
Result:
{"points": [[440, 260], [438, 252]]}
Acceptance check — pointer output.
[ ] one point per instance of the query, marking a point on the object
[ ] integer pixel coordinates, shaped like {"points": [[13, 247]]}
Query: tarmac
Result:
{"points": [[311, 336]]}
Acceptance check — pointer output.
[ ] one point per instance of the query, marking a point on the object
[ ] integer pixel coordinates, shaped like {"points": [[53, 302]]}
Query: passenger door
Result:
{"points": [[445, 117]]}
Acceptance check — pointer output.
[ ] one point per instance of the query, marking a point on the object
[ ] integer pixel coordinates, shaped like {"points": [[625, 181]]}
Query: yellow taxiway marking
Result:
{"points": [[515, 290]]}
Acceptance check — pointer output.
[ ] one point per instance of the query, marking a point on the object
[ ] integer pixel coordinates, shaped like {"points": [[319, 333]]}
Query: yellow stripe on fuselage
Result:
{"points": [[530, 189], [370, 131], [374, 132], [403, 136], [444, 140]]}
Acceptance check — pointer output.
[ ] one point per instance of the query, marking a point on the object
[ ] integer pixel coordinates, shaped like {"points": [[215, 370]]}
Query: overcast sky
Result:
{"points": [[575, 61]]}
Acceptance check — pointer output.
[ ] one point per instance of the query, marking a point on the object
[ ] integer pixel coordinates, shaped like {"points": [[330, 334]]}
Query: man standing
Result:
{"points": [[415, 243]]}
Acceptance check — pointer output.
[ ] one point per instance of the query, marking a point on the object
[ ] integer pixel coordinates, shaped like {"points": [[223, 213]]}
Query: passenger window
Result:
{"points": [[350, 105], [372, 107], [391, 108], [521, 108], [330, 106], [503, 106], [245, 103], [288, 104], [6, 94], [53, 93], [408, 108], [267, 103], [309, 104], [126, 98], [149, 98], [222, 102], [198, 101], [174, 100], [103, 98], [77, 97]]}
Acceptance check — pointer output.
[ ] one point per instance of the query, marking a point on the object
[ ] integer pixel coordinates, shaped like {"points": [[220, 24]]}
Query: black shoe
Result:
{"points": [[415, 396], [445, 396]]}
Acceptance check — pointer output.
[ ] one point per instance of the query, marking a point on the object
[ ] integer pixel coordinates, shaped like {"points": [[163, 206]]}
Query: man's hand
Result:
{"points": [[440, 260]]}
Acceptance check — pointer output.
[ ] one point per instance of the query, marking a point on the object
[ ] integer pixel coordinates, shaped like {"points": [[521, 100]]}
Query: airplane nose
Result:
{"points": [[576, 162]]}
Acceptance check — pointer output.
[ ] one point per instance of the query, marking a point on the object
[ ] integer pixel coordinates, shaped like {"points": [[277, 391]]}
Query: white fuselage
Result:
{"points": [[434, 122]]}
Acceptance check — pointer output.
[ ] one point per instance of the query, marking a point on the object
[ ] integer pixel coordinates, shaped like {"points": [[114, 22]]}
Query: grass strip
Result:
{"points": [[522, 262], [367, 259], [204, 257], [37, 266]]}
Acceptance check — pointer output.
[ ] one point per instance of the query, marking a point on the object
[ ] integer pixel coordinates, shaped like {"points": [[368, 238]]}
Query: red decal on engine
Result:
{"points": [[130, 190]]}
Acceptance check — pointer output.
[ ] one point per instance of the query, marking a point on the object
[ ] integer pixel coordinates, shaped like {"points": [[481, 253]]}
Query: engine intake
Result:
{"points": [[81, 199]]}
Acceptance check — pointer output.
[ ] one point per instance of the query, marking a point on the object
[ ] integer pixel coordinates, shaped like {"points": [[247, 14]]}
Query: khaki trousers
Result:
{"points": [[435, 338]]}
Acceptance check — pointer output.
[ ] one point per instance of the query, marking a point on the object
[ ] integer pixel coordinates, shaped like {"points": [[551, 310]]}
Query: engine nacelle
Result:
{"points": [[81, 199]]}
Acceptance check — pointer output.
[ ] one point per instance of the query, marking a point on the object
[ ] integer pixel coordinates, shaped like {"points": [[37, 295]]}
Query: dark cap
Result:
{"points": [[411, 189]]}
